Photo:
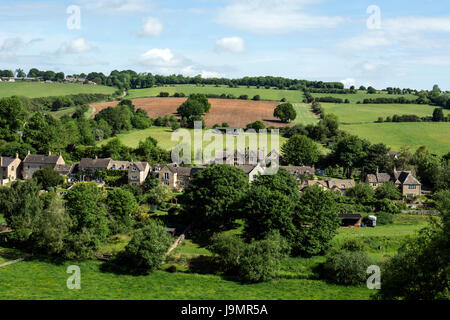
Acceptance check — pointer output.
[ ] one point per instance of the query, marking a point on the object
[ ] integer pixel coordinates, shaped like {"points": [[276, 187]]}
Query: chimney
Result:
{"points": [[96, 157], [28, 153], [17, 155], [49, 153]]}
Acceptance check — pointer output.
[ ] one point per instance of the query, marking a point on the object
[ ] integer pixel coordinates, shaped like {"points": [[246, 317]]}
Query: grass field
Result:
{"points": [[411, 134], [45, 278], [361, 95], [163, 135], [266, 94], [356, 113], [36, 90], [304, 114], [70, 111]]}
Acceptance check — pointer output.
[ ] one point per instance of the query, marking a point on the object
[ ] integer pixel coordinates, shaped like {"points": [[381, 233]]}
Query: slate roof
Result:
{"points": [[41, 159], [247, 168], [65, 169], [297, 172], [95, 163], [141, 166], [6, 161], [341, 184], [405, 177]]}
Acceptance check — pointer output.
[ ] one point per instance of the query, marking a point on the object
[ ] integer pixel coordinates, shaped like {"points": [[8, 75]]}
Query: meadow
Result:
{"points": [[304, 114], [164, 135], [361, 95], [357, 113], [45, 278], [411, 134], [265, 94], [37, 89]]}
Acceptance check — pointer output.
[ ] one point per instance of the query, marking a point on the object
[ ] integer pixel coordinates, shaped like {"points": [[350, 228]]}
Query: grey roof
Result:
{"points": [[247, 168], [41, 159], [297, 171], [371, 178], [383, 177], [6, 161], [65, 169], [95, 163], [141, 166], [405, 177]]}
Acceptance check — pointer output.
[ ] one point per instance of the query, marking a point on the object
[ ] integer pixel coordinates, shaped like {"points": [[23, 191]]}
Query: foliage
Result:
{"points": [[299, 151], [285, 112], [48, 178], [158, 195], [386, 205], [228, 249], [388, 190], [384, 218], [122, 207], [147, 248], [362, 192]]}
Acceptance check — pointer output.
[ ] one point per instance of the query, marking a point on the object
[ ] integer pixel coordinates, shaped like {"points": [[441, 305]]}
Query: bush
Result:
{"points": [[386, 205], [346, 267], [147, 249], [163, 94], [227, 249], [385, 218]]}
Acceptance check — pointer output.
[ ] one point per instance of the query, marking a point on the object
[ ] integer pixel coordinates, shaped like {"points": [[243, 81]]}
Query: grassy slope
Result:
{"points": [[70, 111], [266, 94], [304, 114], [412, 134], [349, 113], [163, 135], [361, 95], [46, 279], [35, 90]]}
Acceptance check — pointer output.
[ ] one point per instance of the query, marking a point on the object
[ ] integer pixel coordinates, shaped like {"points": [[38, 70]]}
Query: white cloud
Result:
{"points": [[273, 16], [151, 27], [159, 58], [348, 82], [233, 44], [193, 71], [75, 47]]}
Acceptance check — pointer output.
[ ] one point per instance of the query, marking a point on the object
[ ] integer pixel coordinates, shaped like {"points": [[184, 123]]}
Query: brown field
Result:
{"points": [[237, 113]]}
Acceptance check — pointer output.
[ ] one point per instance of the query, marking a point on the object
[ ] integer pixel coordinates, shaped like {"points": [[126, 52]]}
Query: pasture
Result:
{"points": [[361, 95], [41, 277], [357, 113], [37, 89], [411, 134], [272, 94], [237, 113], [304, 114]]}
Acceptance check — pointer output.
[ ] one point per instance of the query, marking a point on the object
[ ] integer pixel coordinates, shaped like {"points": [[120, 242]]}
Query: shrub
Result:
{"points": [[163, 94], [386, 205], [228, 249], [148, 247], [385, 218], [257, 97], [346, 267], [257, 125]]}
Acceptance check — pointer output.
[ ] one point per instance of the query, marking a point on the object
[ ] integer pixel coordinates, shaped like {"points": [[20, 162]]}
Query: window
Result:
{"points": [[343, 186], [374, 184], [166, 183], [411, 187], [166, 176]]}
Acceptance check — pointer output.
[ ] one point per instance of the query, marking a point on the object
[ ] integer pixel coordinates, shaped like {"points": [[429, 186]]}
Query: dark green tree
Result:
{"points": [[285, 112], [299, 151]]}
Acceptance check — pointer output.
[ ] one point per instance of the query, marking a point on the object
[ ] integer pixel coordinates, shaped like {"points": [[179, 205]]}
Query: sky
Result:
{"points": [[381, 43]]}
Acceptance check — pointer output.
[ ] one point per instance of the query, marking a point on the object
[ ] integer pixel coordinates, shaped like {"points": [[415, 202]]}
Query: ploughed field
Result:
{"points": [[237, 113]]}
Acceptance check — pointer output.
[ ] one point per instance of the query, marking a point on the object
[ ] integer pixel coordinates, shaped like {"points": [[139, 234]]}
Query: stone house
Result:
{"points": [[35, 162], [252, 171], [176, 177], [300, 173], [138, 172], [9, 169], [404, 180], [340, 185]]}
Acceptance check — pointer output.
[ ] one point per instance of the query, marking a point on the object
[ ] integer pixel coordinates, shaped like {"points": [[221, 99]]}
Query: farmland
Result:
{"points": [[237, 113], [37, 90], [265, 94], [357, 113], [411, 134], [304, 114], [361, 95], [45, 278]]}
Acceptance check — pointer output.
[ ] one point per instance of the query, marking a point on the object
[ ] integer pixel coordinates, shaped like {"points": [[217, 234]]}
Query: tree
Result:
{"points": [[195, 105], [377, 157], [299, 151], [12, 118], [211, 196], [438, 115], [317, 221], [158, 195], [371, 90], [285, 112], [257, 125], [419, 270], [48, 178], [348, 153], [135, 191], [122, 207], [147, 249], [388, 190], [361, 192], [86, 208], [429, 170]]}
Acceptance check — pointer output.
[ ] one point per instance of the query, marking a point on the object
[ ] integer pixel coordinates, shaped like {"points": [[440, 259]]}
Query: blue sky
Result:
{"points": [[327, 40]]}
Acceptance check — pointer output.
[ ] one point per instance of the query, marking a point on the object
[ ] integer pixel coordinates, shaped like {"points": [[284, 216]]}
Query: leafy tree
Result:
{"points": [[348, 153], [438, 115], [227, 249], [429, 170], [282, 181], [317, 221], [388, 190], [386, 205], [361, 192], [158, 195], [211, 195], [285, 112], [147, 249], [151, 182], [12, 118], [195, 105], [48, 178], [377, 158], [257, 125], [122, 206], [300, 150], [135, 191]]}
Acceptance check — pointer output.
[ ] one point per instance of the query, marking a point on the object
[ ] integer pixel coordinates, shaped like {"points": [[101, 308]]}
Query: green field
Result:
{"points": [[36, 90], [361, 95], [45, 278], [266, 94], [357, 113], [163, 135], [70, 111], [304, 114], [411, 134]]}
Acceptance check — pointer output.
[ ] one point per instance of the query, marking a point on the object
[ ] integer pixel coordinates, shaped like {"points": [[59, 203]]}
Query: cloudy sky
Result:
{"points": [[329, 40]]}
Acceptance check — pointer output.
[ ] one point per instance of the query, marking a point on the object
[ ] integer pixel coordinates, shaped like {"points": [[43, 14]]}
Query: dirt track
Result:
{"points": [[237, 113]]}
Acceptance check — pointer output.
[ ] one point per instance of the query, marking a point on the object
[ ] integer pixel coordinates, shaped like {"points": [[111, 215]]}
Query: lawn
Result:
{"points": [[2, 219], [361, 95], [266, 94], [70, 111], [357, 113], [163, 135], [411, 134], [36, 89], [304, 114]]}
